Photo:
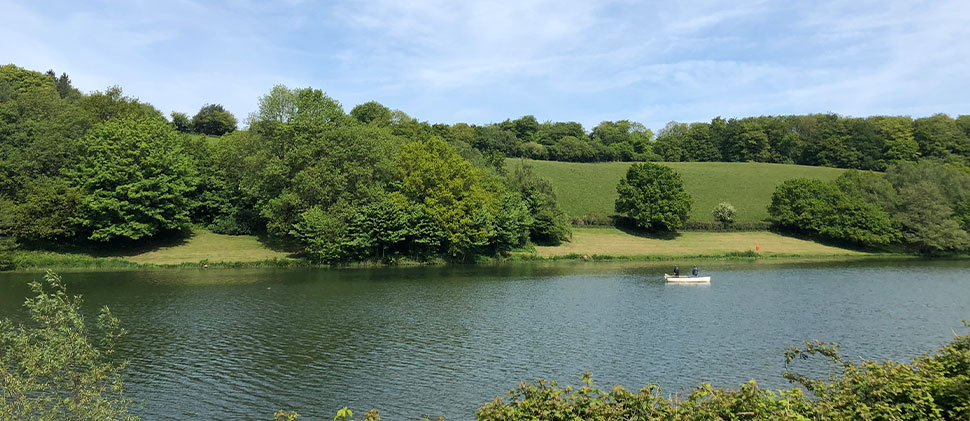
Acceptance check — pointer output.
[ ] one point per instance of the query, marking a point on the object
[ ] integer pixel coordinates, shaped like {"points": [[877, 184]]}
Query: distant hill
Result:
{"points": [[585, 188]]}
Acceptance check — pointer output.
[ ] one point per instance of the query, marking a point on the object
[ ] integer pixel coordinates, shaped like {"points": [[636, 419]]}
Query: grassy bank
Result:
{"points": [[212, 247], [586, 188], [202, 247], [615, 243], [588, 243]]}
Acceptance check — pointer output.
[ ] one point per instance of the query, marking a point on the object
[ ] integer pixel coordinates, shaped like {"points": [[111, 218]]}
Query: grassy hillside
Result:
{"points": [[614, 242], [586, 188]]}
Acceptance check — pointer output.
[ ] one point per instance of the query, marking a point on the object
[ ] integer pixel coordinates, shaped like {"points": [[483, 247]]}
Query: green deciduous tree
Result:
{"points": [[572, 149], [525, 128], [112, 103], [653, 196], [38, 130], [938, 226], [377, 230], [135, 178], [372, 112], [46, 210], [817, 207], [468, 207], [940, 137], [671, 142], [322, 235], [181, 122], [278, 105], [550, 225], [928, 221], [900, 145], [50, 370], [213, 120], [869, 187], [311, 172], [63, 85], [330, 166]]}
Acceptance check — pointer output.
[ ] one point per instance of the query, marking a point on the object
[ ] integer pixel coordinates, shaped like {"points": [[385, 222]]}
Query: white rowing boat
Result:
{"points": [[684, 279]]}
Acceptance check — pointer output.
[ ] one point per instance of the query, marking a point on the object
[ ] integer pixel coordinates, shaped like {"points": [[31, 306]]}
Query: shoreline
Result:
{"points": [[34, 261]]}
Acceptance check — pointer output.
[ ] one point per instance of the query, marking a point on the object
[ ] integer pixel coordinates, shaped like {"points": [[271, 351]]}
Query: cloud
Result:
{"points": [[447, 61]]}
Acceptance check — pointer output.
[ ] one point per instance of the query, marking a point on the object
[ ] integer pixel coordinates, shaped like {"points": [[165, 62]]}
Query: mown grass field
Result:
{"points": [[202, 246], [247, 251], [206, 245], [611, 241], [586, 188]]}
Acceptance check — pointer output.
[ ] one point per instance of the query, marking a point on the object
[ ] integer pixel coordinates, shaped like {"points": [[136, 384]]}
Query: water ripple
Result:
{"points": [[421, 342]]}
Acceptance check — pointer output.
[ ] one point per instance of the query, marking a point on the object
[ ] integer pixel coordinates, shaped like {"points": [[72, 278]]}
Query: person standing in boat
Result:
{"points": [[694, 272], [676, 270]]}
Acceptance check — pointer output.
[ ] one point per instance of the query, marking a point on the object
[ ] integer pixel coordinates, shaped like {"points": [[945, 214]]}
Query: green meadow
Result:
{"points": [[586, 188], [610, 241], [200, 247]]}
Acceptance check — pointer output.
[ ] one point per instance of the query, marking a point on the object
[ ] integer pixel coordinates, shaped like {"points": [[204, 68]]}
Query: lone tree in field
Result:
{"points": [[653, 196]]}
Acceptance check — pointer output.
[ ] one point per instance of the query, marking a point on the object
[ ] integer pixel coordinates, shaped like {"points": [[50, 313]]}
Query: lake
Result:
{"points": [[430, 341]]}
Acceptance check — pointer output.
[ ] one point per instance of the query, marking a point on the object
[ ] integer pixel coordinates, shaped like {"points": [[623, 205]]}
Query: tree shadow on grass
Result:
{"points": [[629, 228], [119, 248], [808, 236], [293, 249]]}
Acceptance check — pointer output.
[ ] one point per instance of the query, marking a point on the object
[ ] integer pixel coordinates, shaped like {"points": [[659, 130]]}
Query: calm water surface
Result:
{"points": [[414, 342]]}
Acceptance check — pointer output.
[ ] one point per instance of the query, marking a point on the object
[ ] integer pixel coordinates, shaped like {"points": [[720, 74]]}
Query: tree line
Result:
{"points": [[872, 143], [107, 169]]}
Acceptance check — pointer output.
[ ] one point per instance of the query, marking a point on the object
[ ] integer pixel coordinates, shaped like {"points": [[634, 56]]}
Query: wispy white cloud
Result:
{"points": [[484, 61]]}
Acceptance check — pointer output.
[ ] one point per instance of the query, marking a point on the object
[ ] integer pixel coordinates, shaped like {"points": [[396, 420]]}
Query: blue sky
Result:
{"points": [[479, 62]]}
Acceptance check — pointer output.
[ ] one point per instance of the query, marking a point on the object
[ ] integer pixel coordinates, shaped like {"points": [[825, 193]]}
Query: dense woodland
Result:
{"points": [[924, 206], [105, 169], [872, 143]]}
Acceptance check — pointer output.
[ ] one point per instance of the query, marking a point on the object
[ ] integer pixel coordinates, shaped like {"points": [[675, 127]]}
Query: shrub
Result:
{"points": [[929, 388], [724, 213], [717, 226], [50, 370]]}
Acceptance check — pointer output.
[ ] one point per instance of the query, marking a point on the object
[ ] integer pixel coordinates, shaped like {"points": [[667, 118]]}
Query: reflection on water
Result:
{"points": [[413, 342]]}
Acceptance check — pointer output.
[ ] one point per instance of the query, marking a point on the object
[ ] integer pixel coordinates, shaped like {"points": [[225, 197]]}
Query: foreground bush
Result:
{"points": [[933, 387], [50, 370]]}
